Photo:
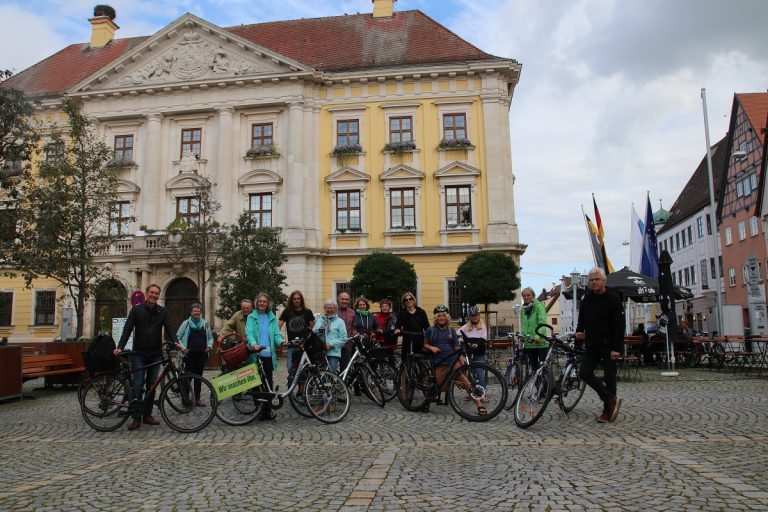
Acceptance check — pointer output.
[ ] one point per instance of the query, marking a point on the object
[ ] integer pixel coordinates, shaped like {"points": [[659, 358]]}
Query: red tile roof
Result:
{"points": [[755, 105], [330, 44]]}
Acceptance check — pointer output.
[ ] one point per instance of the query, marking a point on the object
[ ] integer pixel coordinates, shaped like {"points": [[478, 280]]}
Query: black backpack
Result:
{"points": [[99, 357]]}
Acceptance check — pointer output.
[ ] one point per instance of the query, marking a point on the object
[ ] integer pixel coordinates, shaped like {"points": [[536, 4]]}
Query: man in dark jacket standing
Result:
{"points": [[601, 327], [148, 321]]}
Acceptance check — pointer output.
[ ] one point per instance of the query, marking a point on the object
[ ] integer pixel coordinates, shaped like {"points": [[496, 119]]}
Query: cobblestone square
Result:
{"points": [[697, 442]]}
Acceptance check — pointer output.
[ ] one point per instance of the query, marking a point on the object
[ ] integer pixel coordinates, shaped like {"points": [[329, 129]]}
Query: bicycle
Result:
{"points": [[518, 368], [711, 353], [108, 401], [313, 392], [417, 385], [539, 388], [360, 370]]}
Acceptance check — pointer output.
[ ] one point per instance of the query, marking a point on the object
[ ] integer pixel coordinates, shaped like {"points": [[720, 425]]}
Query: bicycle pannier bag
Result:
{"points": [[99, 356]]}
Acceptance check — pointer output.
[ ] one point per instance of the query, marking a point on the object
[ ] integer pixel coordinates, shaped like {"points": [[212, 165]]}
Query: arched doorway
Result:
{"points": [[111, 302], [179, 296]]}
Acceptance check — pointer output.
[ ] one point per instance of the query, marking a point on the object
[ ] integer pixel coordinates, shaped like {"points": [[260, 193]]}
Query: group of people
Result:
{"points": [[600, 328]]}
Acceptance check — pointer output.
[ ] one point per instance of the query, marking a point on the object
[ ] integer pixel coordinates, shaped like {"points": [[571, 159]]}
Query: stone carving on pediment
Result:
{"points": [[188, 163], [192, 58]]}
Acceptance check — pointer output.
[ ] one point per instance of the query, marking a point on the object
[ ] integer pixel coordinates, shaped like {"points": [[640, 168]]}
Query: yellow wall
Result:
{"points": [[373, 137], [22, 319]]}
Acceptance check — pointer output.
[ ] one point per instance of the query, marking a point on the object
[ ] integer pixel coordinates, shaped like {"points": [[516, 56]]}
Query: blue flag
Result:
{"points": [[650, 259]]}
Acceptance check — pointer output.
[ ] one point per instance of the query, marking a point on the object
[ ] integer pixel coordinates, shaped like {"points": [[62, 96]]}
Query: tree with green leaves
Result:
{"points": [[19, 135], [200, 242], [383, 275], [252, 262], [64, 212], [488, 277]]}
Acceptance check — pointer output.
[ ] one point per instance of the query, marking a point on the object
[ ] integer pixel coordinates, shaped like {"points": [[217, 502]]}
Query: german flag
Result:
{"points": [[597, 239]]}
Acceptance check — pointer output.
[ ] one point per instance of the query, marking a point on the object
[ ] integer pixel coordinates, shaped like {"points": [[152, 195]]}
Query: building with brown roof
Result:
{"points": [[387, 132]]}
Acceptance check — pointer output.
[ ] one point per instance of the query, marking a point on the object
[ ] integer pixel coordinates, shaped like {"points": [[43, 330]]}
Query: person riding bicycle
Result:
{"points": [[532, 315], [195, 341], [475, 333], [333, 332], [443, 341], [263, 337]]}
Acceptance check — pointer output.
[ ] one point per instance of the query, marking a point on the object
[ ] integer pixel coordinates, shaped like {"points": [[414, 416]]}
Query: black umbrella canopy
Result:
{"points": [[633, 286]]}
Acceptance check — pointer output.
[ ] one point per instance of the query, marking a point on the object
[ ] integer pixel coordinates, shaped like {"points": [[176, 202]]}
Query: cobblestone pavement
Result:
{"points": [[696, 442]]}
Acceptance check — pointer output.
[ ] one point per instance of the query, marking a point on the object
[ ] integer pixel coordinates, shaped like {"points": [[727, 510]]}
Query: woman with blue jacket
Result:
{"points": [[333, 332], [195, 342], [263, 336]]}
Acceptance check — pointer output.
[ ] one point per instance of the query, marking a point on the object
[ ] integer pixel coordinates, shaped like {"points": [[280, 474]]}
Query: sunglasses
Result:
{"points": [[408, 299]]}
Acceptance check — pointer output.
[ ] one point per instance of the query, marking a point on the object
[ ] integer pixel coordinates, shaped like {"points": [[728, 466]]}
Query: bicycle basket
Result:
{"points": [[314, 346], [233, 350]]}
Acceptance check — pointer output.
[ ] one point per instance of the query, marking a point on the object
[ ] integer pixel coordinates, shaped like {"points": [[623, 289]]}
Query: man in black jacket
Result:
{"points": [[601, 327], [148, 321]]}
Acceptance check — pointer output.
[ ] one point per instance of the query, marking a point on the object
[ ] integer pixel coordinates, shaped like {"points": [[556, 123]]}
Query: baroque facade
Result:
{"points": [[380, 131]]}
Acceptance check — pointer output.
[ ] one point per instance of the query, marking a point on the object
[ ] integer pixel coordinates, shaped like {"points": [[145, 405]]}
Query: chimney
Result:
{"points": [[103, 26], [383, 8]]}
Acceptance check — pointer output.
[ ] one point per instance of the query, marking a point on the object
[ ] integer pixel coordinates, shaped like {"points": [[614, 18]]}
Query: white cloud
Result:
{"points": [[18, 50]]}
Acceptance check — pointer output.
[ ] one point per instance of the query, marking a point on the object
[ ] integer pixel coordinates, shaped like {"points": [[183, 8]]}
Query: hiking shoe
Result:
{"points": [[135, 425], [604, 418], [149, 420]]}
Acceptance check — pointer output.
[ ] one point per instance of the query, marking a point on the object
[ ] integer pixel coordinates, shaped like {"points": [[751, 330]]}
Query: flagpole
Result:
{"points": [[715, 237]]}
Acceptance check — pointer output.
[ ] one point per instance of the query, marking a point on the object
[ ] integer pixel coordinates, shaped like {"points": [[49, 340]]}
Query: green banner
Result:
{"points": [[237, 381]]}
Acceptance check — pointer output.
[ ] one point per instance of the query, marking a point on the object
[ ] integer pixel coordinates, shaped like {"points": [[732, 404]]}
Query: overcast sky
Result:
{"points": [[608, 100]]}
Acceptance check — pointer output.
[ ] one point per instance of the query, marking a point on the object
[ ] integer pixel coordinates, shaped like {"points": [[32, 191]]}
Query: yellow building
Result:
{"points": [[392, 134]]}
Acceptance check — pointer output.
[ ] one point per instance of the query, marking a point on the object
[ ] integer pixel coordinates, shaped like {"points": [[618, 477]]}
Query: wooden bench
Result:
{"points": [[34, 366]]}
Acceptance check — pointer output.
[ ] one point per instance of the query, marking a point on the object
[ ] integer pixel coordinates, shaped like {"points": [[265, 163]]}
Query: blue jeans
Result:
{"points": [[289, 361], [143, 378], [479, 373], [333, 363]]}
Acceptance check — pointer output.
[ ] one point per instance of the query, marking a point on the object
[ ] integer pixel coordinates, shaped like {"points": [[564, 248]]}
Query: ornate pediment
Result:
{"points": [[189, 50], [126, 187], [185, 181], [347, 174], [259, 177], [457, 169], [401, 172]]}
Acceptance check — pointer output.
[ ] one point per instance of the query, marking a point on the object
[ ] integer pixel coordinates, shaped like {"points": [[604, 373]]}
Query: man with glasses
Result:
{"points": [[347, 314], [601, 327]]}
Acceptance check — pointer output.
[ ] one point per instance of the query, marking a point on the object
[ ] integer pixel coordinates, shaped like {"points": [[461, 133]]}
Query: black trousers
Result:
{"points": [[594, 356], [195, 363]]}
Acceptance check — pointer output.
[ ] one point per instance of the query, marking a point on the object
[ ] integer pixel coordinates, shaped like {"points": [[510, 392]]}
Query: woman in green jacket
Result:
{"points": [[533, 314], [263, 336]]}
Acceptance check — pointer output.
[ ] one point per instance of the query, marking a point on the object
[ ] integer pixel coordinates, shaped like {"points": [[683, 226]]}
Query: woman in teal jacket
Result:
{"points": [[263, 336], [333, 332], [533, 314]]}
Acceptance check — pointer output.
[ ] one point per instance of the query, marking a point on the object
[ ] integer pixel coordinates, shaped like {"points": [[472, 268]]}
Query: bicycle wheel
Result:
{"points": [[371, 384], [105, 402], [84, 381], [296, 396], [533, 397], [239, 409], [179, 407], [413, 385], [387, 373], [477, 392], [717, 356], [327, 397], [571, 388]]}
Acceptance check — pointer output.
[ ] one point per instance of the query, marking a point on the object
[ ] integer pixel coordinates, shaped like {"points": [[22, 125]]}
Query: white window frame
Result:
{"points": [[728, 236], [753, 226], [262, 181], [32, 324], [742, 227], [731, 277]]}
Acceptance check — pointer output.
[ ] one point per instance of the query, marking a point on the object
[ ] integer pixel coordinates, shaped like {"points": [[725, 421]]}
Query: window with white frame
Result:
{"points": [[687, 274], [731, 276], [700, 226], [347, 132], [260, 209], [689, 229], [454, 126], [348, 210], [6, 308], [400, 129], [458, 206], [677, 241], [188, 208], [45, 307], [745, 273], [120, 219], [742, 230], [753, 226], [693, 274], [402, 208], [728, 236]]}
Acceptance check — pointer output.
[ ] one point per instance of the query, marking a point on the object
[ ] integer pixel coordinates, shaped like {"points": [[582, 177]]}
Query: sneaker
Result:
{"points": [[604, 418], [614, 407]]}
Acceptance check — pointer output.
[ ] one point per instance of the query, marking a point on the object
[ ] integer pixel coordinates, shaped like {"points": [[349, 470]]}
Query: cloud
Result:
{"points": [[18, 51]]}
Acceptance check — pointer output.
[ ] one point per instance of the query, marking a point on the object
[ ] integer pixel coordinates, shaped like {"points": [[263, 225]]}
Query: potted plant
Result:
{"points": [[347, 149], [399, 148], [268, 150], [119, 163], [455, 144], [175, 229]]}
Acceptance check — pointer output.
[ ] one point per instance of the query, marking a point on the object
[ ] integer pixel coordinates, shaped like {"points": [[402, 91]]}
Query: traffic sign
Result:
{"points": [[137, 298]]}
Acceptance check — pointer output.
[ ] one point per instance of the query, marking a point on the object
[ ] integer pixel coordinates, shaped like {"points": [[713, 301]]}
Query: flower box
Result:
{"points": [[349, 149], [455, 144], [400, 147], [270, 150]]}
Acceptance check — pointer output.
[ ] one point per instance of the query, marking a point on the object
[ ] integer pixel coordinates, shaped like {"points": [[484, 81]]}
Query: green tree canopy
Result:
{"points": [[64, 212], [383, 275], [252, 261], [488, 277], [19, 136]]}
